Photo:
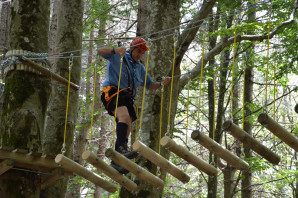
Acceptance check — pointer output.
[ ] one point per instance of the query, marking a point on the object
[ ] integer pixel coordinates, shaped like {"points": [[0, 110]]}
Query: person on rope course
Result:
{"points": [[132, 76]]}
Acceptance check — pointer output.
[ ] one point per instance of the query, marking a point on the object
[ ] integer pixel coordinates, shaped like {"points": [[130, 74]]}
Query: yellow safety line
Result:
{"points": [[199, 105], [232, 84], [144, 91], [115, 115], [70, 62], [267, 70], [172, 80], [94, 90]]}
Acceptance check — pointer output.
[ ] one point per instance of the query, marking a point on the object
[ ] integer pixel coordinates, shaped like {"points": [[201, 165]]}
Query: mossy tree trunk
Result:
{"points": [[26, 96], [69, 38], [4, 41]]}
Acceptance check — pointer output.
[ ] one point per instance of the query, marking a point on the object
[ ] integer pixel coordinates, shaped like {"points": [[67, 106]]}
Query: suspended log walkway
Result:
{"points": [[278, 130], [218, 150], [251, 142], [188, 156]]}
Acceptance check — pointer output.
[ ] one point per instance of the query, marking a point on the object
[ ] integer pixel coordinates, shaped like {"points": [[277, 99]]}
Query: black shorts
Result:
{"points": [[125, 99]]}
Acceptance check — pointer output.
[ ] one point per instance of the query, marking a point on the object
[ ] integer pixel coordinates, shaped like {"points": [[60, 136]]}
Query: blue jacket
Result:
{"points": [[137, 72]]}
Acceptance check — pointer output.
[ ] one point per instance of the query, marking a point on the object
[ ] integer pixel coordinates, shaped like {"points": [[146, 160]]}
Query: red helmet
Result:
{"points": [[139, 43]]}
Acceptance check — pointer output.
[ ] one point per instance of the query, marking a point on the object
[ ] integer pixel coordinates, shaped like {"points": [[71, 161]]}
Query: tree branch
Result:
{"points": [[191, 30], [217, 49]]}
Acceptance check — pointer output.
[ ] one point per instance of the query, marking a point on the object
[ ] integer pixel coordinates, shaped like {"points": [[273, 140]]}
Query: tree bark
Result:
{"points": [[69, 38], [26, 96], [53, 27], [4, 41], [246, 191], [212, 181]]}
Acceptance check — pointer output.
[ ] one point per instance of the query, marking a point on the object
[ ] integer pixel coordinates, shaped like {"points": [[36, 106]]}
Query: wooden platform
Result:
{"points": [[27, 160], [19, 158]]}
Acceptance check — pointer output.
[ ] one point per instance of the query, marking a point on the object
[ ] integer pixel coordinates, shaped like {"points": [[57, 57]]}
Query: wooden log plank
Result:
{"points": [[57, 174], [6, 165], [160, 161], [84, 172], [251, 142], [278, 130], [218, 150], [49, 74], [23, 158], [134, 168], [109, 171], [188, 156]]}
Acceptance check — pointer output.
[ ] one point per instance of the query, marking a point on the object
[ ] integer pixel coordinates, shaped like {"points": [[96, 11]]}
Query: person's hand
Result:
{"points": [[166, 81], [120, 50]]}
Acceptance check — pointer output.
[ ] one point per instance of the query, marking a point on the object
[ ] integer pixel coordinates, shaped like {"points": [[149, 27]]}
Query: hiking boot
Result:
{"points": [[126, 152], [119, 168]]}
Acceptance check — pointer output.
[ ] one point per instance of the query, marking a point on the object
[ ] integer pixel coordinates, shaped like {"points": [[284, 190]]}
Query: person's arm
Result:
{"points": [[111, 50], [156, 85]]}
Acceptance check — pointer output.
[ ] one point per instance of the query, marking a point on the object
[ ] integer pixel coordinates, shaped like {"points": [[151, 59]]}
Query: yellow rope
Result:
{"points": [[267, 70], [70, 62], [172, 80], [232, 83], [199, 105], [115, 115], [94, 90], [144, 91]]}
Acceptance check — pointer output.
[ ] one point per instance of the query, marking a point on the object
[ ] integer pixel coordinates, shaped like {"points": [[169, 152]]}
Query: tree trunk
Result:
{"points": [[69, 38], [160, 64], [53, 27], [246, 191], [4, 41], [212, 181], [26, 96]]}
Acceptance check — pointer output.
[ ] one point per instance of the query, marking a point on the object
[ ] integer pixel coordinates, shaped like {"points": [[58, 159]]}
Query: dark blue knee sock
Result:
{"points": [[121, 130]]}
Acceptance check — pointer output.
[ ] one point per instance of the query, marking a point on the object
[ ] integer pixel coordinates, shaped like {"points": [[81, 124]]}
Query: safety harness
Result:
{"points": [[106, 90]]}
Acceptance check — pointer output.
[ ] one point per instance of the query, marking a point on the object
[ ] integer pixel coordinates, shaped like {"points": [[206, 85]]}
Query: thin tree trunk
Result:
{"points": [[213, 26], [246, 191], [69, 38], [26, 96], [212, 182]]}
